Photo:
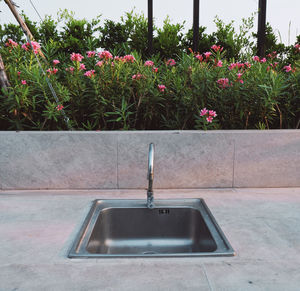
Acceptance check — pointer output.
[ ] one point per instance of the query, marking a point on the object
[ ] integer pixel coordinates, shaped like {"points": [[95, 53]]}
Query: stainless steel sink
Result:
{"points": [[127, 228]]}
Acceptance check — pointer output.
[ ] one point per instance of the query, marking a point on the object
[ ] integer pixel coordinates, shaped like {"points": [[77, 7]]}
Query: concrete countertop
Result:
{"points": [[37, 229]]}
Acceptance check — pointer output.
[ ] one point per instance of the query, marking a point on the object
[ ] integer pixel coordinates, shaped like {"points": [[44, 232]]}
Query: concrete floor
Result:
{"points": [[37, 229]]}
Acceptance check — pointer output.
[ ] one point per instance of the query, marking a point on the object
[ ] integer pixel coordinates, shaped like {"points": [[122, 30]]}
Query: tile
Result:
{"points": [[253, 275], [133, 276], [181, 159], [288, 229], [253, 239], [58, 160], [267, 159]]}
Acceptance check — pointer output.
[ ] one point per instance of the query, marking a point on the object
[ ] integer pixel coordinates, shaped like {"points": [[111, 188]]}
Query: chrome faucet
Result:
{"points": [[150, 176]]}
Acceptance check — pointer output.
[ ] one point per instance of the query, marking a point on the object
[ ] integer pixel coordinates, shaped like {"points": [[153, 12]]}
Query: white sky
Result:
{"points": [[280, 13]]}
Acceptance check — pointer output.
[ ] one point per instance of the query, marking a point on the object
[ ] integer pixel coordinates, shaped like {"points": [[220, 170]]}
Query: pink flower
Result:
{"points": [[219, 64], [212, 113], [287, 68], [117, 58], [137, 76], [90, 73], [154, 69], [161, 88], [149, 64], [209, 119], [105, 55], [199, 57], [34, 44], [263, 60], [170, 62], [71, 69], [11, 43], [240, 65], [59, 107], [76, 57], [129, 59], [217, 48], [232, 66], [99, 64], [24, 47], [19, 73], [239, 75], [56, 62], [82, 67], [90, 54], [52, 71], [248, 65], [272, 55], [209, 114], [23, 82], [207, 54], [297, 47], [203, 111], [256, 58], [223, 83]]}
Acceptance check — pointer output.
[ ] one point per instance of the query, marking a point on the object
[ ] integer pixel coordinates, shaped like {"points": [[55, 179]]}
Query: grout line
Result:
{"points": [[233, 163], [205, 273], [118, 162]]}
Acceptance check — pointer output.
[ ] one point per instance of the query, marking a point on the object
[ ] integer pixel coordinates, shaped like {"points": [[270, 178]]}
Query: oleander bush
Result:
{"points": [[223, 86]]}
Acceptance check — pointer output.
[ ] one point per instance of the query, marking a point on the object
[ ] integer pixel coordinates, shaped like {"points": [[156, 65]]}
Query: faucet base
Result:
{"points": [[150, 198]]}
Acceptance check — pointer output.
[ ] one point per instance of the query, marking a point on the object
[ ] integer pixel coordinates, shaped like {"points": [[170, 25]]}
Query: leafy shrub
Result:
{"points": [[205, 40], [104, 91], [10, 31], [101, 92], [113, 36], [168, 41], [137, 25]]}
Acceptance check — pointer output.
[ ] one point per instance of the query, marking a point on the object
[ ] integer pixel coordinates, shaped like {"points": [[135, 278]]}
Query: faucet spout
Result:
{"points": [[150, 176]]}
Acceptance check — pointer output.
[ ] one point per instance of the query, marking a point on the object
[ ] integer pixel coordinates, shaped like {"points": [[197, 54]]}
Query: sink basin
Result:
{"points": [[127, 228]]}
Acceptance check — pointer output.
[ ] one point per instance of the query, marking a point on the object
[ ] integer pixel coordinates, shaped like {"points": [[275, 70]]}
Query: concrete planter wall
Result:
{"points": [[183, 159]]}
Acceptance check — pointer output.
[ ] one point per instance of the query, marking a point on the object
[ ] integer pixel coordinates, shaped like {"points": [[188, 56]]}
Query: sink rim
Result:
{"points": [[78, 249]]}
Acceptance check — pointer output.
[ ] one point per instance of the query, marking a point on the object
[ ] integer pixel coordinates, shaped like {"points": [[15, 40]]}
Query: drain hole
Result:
{"points": [[149, 253]]}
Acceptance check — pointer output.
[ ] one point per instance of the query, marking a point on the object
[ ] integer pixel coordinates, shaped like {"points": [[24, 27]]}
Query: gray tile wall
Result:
{"points": [[267, 159], [183, 159], [58, 160]]}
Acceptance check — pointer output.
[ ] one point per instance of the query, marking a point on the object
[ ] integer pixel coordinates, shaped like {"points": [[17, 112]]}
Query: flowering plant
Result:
{"points": [[205, 119], [103, 91]]}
